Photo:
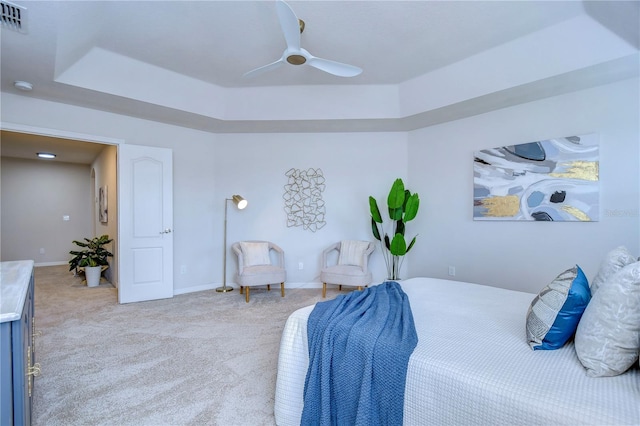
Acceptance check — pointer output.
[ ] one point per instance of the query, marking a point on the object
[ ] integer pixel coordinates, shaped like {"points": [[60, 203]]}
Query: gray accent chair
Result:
{"points": [[352, 268], [255, 265]]}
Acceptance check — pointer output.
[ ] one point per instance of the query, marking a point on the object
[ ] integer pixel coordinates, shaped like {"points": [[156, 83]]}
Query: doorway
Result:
{"points": [[147, 269], [66, 217]]}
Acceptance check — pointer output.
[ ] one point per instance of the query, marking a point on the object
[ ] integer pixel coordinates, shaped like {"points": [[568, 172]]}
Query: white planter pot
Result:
{"points": [[92, 273]]}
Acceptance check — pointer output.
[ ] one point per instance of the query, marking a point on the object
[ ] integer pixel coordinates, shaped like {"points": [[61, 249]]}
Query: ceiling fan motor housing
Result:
{"points": [[296, 59]]}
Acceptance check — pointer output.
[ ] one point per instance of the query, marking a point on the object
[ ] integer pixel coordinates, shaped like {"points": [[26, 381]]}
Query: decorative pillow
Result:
{"points": [[555, 312], [608, 336], [255, 253], [615, 260], [352, 252]]}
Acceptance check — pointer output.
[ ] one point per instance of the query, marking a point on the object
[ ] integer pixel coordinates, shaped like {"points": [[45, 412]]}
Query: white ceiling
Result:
{"points": [[218, 41], [213, 43]]}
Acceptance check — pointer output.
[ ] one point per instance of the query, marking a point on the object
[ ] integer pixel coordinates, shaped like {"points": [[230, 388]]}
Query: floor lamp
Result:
{"points": [[240, 203]]}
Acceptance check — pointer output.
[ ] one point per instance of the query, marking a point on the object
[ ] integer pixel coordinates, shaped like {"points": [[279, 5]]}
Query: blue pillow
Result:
{"points": [[555, 312]]}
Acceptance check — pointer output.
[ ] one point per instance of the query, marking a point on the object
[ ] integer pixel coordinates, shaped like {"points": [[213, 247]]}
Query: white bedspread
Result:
{"points": [[472, 365]]}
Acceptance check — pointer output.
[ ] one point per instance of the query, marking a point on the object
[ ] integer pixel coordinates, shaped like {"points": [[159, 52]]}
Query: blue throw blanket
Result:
{"points": [[359, 348]]}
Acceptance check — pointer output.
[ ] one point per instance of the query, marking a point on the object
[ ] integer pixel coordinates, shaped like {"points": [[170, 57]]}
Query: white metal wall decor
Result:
{"points": [[547, 180], [303, 201]]}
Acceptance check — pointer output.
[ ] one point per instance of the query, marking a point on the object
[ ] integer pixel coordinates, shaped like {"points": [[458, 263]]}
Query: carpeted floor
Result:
{"points": [[202, 358]]}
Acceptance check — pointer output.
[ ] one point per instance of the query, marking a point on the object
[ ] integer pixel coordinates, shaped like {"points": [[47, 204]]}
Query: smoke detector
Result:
{"points": [[23, 85]]}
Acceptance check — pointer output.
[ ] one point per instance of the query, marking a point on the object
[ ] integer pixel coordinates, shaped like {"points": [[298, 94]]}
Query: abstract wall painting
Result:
{"points": [[550, 180], [303, 201]]}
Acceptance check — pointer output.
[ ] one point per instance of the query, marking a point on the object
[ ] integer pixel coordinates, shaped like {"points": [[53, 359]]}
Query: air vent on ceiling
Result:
{"points": [[14, 17]]}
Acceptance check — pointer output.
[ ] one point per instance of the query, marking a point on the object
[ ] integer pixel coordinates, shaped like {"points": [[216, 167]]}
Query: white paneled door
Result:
{"points": [[145, 232]]}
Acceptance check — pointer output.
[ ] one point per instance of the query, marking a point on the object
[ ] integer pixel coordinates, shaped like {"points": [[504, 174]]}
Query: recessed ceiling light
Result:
{"points": [[23, 85], [46, 155]]}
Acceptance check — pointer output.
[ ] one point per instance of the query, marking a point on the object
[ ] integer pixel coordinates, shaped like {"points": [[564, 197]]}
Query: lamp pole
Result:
{"points": [[240, 203], [224, 288]]}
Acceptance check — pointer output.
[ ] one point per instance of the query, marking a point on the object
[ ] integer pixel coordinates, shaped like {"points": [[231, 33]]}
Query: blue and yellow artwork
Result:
{"points": [[548, 180]]}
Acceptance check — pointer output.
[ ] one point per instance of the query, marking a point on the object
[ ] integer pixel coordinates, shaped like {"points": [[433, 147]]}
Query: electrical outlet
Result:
{"points": [[183, 269], [300, 266], [452, 271], [42, 251]]}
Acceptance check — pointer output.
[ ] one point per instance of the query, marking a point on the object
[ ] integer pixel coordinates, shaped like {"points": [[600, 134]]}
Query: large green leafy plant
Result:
{"points": [[94, 254], [403, 207]]}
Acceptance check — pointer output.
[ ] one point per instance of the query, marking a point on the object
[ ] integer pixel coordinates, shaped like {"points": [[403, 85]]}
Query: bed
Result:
{"points": [[472, 365]]}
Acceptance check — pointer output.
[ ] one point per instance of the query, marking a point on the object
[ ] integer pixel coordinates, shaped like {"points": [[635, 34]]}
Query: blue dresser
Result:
{"points": [[17, 353]]}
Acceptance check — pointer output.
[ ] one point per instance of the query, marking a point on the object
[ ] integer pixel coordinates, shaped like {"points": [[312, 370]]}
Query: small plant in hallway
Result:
{"points": [[94, 258], [403, 207], [94, 253]]}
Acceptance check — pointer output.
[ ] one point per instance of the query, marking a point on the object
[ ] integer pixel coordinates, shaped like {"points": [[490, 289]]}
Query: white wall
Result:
{"points": [[525, 255], [105, 168], [355, 165], [209, 168], [35, 197], [436, 162], [194, 210]]}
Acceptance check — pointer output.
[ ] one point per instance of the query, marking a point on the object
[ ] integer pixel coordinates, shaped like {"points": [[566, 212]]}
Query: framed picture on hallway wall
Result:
{"points": [[102, 204]]}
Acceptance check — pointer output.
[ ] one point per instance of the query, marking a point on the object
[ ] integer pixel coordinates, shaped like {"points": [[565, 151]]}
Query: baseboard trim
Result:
{"points": [[50, 264], [205, 287], [194, 289]]}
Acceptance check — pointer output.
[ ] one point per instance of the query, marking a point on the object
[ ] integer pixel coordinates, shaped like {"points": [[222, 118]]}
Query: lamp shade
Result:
{"points": [[240, 202]]}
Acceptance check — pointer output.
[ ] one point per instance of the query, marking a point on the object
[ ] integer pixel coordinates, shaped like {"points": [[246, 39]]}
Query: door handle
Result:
{"points": [[166, 231]]}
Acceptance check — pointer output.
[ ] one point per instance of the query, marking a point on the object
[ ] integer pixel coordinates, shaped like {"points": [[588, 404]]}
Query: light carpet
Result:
{"points": [[202, 358]]}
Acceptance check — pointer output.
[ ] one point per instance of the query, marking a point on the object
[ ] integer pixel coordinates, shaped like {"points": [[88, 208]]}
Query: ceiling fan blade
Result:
{"points": [[290, 25], [333, 67], [295, 55], [264, 68]]}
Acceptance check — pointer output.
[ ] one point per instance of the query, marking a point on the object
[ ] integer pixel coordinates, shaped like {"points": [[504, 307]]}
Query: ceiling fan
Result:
{"points": [[292, 27]]}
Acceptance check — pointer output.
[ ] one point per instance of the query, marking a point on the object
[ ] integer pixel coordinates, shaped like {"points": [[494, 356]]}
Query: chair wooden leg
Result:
{"points": [[241, 289], [247, 295], [360, 287], [268, 287], [324, 290], [282, 289], [340, 287]]}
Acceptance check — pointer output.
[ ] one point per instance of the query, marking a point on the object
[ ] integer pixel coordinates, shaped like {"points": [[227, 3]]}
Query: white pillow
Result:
{"points": [[352, 252], [255, 253], [615, 260], [607, 340]]}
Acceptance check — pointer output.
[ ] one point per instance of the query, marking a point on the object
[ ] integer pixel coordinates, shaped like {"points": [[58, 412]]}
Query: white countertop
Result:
{"points": [[14, 282]]}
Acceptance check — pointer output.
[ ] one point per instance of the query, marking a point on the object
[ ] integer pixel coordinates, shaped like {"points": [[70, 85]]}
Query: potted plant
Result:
{"points": [[93, 258], [403, 207]]}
